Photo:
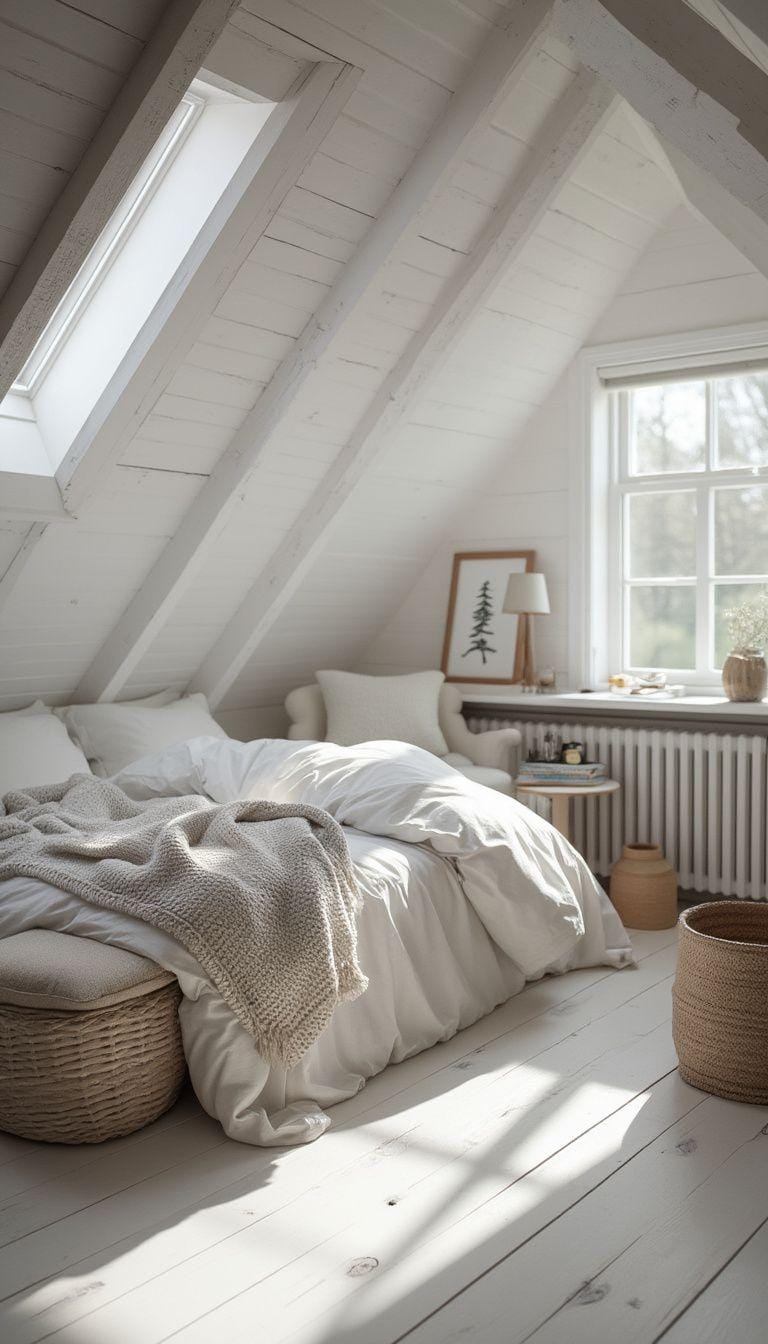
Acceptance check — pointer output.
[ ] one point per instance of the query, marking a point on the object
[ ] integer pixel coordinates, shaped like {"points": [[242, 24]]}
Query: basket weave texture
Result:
{"points": [[720, 999], [82, 1077]]}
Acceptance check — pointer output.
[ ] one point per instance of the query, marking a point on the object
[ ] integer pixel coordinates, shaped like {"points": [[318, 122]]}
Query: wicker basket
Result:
{"points": [[720, 996], [82, 1077]]}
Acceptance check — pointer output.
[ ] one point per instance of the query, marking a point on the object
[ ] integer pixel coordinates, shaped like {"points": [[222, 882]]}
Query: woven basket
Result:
{"points": [[82, 1077], [720, 999]]}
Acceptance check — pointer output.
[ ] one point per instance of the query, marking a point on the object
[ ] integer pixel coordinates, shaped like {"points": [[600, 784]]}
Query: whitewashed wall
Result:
{"points": [[482, 460], [689, 278], [511, 356]]}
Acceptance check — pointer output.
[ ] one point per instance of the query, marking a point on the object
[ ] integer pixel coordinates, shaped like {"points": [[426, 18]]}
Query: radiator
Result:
{"points": [[703, 797]]}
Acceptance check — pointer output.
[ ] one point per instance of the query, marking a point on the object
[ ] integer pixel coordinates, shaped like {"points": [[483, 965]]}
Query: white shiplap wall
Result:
{"points": [[74, 588], [509, 360], [479, 460], [61, 66], [689, 277], [328, 408]]}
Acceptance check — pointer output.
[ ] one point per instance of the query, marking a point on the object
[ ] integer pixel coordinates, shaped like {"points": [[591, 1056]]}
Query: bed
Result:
{"points": [[466, 895]]}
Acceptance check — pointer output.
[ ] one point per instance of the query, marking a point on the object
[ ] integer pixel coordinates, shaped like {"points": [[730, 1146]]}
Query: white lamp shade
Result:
{"points": [[526, 592]]}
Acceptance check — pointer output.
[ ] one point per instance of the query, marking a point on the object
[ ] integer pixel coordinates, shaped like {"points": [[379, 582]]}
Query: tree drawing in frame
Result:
{"points": [[482, 643], [482, 616]]}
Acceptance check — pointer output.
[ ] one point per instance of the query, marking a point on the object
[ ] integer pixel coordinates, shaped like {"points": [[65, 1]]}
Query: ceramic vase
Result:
{"points": [[644, 888]]}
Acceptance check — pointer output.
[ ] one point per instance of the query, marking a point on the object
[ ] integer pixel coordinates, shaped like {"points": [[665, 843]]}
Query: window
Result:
{"points": [[135, 274], [110, 240], [688, 515]]}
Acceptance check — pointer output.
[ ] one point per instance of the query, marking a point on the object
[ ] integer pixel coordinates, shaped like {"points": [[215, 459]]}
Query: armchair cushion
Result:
{"points": [[306, 710], [496, 749], [500, 780], [488, 758], [367, 709]]}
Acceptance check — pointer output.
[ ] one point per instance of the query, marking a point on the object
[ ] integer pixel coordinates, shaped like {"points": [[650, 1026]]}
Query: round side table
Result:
{"points": [[560, 796]]}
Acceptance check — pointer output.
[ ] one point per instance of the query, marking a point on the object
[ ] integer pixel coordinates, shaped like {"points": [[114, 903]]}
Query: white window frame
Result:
{"points": [[108, 245], [599, 478]]}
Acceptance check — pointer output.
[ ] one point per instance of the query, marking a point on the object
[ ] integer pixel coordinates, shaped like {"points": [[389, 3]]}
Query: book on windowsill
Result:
{"points": [[557, 772]]}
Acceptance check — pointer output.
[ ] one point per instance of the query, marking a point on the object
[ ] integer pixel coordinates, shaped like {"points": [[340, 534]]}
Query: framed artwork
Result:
{"points": [[481, 642]]}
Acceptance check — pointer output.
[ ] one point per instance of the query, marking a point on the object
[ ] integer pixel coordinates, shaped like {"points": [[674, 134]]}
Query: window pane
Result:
{"points": [[669, 428], [662, 627], [742, 421], [741, 530], [662, 535], [729, 595]]}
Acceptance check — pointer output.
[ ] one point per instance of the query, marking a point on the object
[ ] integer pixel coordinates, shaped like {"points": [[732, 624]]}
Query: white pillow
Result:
{"points": [[147, 701], [112, 736], [35, 749], [37, 707], [369, 709]]}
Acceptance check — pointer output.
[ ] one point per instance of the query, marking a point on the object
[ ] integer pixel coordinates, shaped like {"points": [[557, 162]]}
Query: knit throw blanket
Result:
{"points": [[262, 894]]}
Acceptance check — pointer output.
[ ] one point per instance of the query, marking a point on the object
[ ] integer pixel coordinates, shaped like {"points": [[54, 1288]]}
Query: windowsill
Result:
{"points": [[684, 706]]}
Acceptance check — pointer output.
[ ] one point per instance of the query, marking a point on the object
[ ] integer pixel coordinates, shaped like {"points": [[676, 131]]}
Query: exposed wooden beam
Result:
{"points": [[740, 226], [752, 13], [685, 78], [37, 498], [655, 148], [562, 142], [276, 160], [498, 69], [170, 60], [27, 543]]}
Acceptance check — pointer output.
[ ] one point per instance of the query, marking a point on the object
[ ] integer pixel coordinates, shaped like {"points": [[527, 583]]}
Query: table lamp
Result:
{"points": [[526, 596]]}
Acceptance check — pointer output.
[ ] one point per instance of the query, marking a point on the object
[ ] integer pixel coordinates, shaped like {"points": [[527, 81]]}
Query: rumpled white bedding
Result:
{"points": [[466, 895]]}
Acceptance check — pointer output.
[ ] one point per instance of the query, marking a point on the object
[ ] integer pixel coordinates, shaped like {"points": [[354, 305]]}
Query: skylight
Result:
{"points": [[124, 289], [111, 239]]}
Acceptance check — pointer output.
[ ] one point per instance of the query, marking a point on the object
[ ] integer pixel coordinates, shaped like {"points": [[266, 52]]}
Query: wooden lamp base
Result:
{"points": [[525, 662]]}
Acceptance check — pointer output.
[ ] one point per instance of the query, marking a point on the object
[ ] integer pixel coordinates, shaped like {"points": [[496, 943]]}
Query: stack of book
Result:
{"points": [[557, 772]]}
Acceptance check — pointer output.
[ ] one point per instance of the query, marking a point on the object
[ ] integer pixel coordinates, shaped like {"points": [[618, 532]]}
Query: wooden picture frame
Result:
{"points": [[480, 577]]}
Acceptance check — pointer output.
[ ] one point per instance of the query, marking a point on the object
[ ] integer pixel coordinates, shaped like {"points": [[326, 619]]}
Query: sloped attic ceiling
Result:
{"points": [[493, 282], [61, 67], [508, 360], [85, 90]]}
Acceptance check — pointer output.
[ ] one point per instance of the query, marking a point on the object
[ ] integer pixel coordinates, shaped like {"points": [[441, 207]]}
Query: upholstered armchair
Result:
{"points": [[488, 758]]}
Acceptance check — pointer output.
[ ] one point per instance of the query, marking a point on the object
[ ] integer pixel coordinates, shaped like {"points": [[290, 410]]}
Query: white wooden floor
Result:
{"points": [[543, 1176]]}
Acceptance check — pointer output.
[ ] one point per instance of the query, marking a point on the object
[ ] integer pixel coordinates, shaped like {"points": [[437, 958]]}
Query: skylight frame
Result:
{"points": [[109, 243]]}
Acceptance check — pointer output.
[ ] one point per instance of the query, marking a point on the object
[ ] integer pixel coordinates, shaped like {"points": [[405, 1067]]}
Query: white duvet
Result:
{"points": [[466, 895]]}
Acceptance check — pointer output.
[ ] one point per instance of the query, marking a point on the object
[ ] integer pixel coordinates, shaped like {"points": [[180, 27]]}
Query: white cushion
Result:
{"points": [[492, 779], [371, 709], [113, 736], [147, 701], [36, 749], [37, 707]]}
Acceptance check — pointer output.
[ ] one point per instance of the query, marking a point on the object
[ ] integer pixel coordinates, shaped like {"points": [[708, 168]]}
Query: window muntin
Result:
{"points": [[690, 511]]}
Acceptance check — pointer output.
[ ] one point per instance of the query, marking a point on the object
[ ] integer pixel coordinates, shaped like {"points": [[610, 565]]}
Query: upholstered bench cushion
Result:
{"points": [[60, 972]]}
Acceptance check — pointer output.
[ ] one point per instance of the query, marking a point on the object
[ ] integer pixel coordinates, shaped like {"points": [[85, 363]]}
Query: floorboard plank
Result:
{"points": [[43, 1205], [733, 1305], [37, 1163], [132, 1237], [634, 1251], [516, 1081]]}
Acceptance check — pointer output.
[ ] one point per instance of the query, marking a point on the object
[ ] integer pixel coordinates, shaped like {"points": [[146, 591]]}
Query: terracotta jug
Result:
{"points": [[644, 888]]}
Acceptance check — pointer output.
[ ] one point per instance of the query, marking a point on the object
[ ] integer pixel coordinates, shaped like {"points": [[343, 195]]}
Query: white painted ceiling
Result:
{"points": [[67, 584]]}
